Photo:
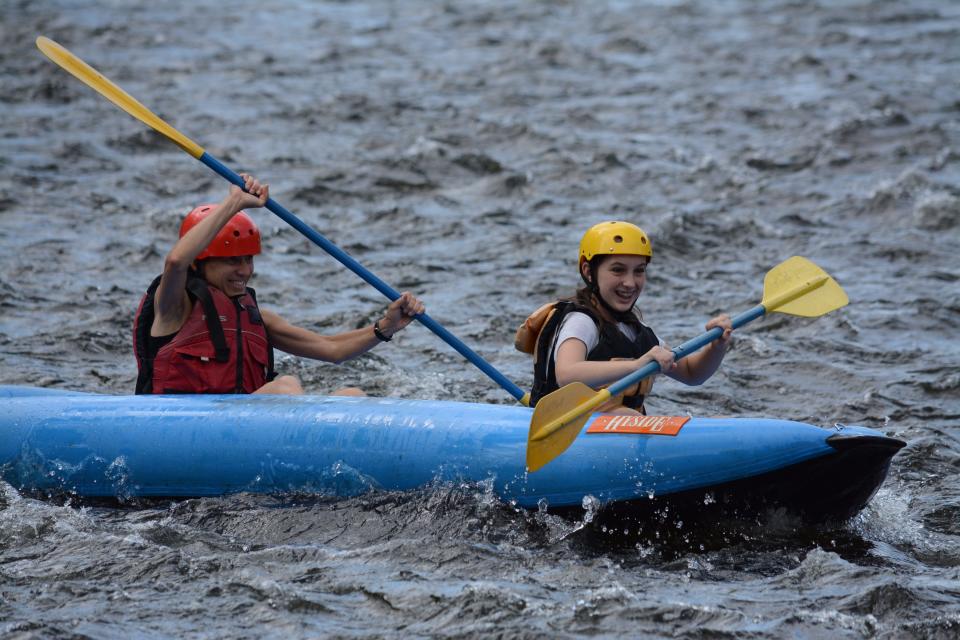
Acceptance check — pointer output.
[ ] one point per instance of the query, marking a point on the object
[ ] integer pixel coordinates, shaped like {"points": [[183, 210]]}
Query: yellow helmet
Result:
{"points": [[614, 238]]}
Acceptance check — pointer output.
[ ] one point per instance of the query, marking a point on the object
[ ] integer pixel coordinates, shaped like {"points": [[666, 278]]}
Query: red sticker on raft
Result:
{"points": [[656, 425]]}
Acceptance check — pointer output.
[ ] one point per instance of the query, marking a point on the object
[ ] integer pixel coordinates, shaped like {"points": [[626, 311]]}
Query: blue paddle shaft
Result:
{"points": [[346, 260], [685, 349]]}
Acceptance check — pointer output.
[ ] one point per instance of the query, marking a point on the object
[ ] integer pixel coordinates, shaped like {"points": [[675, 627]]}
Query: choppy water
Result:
{"points": [[459, 149]]}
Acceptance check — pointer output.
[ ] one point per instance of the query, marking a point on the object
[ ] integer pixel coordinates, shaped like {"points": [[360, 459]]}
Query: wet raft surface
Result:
{"points": [[459, 150]]}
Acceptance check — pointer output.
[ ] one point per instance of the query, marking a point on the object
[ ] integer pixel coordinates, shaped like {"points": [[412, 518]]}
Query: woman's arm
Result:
{"points": [[572, 364], [342, 346], [696, 368]]}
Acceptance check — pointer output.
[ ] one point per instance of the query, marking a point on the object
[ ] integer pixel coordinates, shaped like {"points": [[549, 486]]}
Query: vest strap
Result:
{"points": [[271, 372], [198, 289], [141, 337]]}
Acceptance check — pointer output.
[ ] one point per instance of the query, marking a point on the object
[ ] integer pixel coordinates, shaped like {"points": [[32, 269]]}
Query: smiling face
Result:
{"points": [[620, 279], [229, 275]]}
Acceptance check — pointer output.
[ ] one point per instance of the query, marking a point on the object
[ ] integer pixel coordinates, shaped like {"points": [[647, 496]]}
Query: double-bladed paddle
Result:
{"points": [[128, 103], [796, 287]]}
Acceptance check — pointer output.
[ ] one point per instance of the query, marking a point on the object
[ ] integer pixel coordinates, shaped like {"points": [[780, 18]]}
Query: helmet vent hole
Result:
{"points": [[236, 234], [618, 239]]}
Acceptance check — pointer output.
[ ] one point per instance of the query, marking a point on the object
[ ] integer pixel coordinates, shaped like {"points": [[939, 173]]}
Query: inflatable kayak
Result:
{"points": [[101, 446]]}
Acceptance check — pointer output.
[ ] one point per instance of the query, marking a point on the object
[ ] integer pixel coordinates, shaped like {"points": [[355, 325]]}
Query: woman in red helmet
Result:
{"points": [[199, 328]]}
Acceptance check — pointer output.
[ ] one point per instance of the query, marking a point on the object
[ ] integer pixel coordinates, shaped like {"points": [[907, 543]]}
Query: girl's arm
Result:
{"points": [[696, 368], [572, 364]]}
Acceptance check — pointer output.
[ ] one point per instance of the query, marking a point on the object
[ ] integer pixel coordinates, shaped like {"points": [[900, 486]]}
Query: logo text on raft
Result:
{"points": [[657, 425]]}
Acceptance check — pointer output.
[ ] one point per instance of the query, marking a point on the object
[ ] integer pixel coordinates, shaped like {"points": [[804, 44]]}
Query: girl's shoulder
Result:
{"points": [[579, 325], [579, 317]]}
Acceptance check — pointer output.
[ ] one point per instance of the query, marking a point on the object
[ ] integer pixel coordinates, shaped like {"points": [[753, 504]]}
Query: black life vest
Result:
{"points": [[223, 347], [612, 344]]}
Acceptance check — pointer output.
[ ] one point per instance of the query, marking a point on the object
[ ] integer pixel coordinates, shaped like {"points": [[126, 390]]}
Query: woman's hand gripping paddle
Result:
{"points": [[125, 101], [796, 287]]}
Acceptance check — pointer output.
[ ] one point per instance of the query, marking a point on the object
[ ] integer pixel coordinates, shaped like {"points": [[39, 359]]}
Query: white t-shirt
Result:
{"points": [[580, 326]]}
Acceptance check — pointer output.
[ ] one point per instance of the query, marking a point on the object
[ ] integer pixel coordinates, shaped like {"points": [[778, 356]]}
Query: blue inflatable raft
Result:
{"points": [[100, 446]]}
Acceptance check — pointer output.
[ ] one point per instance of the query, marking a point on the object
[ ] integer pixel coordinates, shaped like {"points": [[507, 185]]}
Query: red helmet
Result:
{"points": [[239, 237]]}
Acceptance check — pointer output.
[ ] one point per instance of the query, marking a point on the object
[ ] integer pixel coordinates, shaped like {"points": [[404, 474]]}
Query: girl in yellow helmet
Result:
{"points": [[597, 337]]}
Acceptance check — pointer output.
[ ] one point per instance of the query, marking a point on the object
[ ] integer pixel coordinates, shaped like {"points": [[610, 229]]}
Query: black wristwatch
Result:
{"points": [[381, 336]]}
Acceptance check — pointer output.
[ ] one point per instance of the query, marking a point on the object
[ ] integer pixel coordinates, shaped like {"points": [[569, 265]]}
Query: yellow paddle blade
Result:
{"points": [[114, 94], [798, 287], [557, 421]]}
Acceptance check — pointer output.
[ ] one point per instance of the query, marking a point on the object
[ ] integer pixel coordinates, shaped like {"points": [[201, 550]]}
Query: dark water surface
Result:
{"points": [[459, 150]]}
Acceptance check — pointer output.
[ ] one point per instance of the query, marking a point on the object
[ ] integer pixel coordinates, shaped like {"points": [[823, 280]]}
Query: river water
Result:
{"points": [[459, 150]]}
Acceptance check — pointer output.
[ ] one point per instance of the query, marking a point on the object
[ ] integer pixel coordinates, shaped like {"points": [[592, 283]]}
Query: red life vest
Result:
{"points": [[223, 346]]}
